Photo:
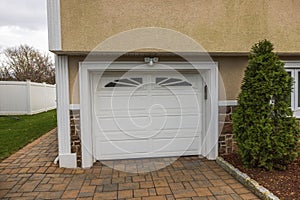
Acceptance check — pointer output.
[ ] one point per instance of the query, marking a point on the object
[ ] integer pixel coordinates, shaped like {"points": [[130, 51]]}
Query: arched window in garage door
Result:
{"points": [[125, 82], [164, 81]]}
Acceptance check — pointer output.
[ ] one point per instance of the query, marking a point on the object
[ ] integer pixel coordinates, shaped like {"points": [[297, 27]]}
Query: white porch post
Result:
{"points": [[66, 158], [54, 25]]}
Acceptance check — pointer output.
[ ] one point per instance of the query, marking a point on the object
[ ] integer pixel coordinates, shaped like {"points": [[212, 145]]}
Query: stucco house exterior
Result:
{"points": [[157, 78]]}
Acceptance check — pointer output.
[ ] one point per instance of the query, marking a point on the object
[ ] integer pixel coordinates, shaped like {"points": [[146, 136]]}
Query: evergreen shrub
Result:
{"points": [[263, 124]]}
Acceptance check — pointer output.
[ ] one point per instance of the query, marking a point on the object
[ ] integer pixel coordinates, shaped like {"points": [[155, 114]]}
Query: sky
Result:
{"points": [[23, 22]]}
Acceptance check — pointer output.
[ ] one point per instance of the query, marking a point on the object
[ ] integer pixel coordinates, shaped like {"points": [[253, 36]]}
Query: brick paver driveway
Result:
{"points": [[31, 174]]}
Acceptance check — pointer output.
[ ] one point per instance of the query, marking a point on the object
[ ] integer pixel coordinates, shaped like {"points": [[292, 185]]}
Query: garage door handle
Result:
{"points": [[205, 92]]}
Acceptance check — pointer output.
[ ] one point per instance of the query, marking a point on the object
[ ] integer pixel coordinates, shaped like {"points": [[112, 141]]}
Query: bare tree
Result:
{"points": [[26, 63], [5, 75]]}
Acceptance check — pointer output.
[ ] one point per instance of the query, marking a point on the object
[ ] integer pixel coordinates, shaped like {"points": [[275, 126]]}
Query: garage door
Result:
{"points": [[137, 115]]}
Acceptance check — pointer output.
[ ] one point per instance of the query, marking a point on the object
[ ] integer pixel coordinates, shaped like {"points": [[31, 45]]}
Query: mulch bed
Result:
{"points": [[284, 184]]}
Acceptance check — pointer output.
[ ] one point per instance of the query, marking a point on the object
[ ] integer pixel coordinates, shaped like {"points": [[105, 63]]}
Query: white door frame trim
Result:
{"points": [[85, 68]]}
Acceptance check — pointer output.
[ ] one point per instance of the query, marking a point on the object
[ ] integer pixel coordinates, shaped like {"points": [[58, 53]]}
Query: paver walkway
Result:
{"points": [[31, 174]]}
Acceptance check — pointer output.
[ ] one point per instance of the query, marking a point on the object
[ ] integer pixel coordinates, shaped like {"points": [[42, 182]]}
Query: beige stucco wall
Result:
{"points": [[231, 73], [218, 25], [73, 62]]}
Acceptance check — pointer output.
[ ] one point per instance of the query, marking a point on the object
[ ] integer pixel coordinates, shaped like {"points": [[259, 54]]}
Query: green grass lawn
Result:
{"points": [[17, 131]]}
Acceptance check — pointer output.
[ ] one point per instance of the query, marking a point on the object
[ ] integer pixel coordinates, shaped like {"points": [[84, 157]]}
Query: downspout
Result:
{"points": [[56, 160]]}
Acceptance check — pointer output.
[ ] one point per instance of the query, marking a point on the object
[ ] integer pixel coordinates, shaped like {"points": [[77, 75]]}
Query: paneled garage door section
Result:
{"points": [[146, 115]]}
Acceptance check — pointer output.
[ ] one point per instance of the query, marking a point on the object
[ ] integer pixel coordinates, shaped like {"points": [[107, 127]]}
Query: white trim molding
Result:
{"points": [[228, 103], [212, 129], [66, 158], [292, 64], [210, 76], [141, 66], [74, 107], [54, 25]]}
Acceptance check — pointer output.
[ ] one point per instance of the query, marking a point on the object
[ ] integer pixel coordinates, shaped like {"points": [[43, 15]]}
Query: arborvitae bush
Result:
{"points": [[263, 124]]}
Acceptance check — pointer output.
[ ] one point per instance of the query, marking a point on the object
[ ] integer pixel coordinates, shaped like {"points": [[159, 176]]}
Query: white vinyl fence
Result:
{"points": [[26, 97]]}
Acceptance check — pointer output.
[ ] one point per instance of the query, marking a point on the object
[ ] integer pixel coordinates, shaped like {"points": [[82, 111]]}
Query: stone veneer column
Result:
{"points": [[75, 135], [226, 139]]}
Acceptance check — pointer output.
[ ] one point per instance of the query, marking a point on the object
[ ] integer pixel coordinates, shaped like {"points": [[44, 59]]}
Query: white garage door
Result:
{"points": [[146, 114]]}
